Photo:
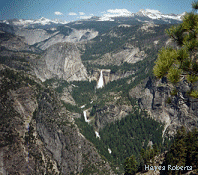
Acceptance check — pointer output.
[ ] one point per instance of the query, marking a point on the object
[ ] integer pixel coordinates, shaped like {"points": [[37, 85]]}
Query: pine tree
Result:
{"points": [[181, 63], [130, 165], [178, 150]]}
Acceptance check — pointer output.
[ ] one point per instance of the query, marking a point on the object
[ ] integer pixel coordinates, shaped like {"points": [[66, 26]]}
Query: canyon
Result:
{"points": [[62, 87]]}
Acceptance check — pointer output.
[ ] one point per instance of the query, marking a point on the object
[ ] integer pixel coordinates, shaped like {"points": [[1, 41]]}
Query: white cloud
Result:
{"points": [[72, 13], [58, 13], [81, 13], [114, 13]]}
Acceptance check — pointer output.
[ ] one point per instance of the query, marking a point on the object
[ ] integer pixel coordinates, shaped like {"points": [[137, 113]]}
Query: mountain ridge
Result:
{"points": [[152, 14]]}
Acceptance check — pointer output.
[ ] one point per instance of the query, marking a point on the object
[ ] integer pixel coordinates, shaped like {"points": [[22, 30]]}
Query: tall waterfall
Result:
{"points": [[100, 82]]}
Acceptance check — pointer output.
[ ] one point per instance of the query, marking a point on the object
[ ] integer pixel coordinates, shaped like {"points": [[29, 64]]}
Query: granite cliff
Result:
{"points": [[61, 61], [37, 134], [153, 95]]}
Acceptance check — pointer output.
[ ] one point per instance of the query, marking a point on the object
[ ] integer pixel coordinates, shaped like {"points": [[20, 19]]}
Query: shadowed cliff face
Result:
{"points": [[37, 136], [152, 95], [61, 61]]}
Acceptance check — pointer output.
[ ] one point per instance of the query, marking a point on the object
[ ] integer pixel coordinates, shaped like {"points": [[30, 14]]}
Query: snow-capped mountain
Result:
{"points": [[156, 14], [109, 16], [26, 23]]}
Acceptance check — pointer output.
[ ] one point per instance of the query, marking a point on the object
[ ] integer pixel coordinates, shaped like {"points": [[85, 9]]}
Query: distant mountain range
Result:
{"points": [[141, 16]]}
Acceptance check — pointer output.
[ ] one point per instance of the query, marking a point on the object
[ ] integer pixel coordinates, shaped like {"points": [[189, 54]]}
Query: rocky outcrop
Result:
{"points": [[67, 97], [61, 61], [72, 152], [153, 96], [110, 113], [129, 54], [113, 107], [37, 136], [74, 37], [43, 39], [33, 36]]}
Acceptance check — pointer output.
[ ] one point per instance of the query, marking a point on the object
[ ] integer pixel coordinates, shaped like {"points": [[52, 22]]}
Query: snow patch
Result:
{"points": [[42, 21], [156, 14], [111, 13], [124, 25]]}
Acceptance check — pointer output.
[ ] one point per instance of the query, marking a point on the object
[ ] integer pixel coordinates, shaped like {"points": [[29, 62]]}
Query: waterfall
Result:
{"points": [[85, 116], [100, 81], [109, 150], [97, 134]]}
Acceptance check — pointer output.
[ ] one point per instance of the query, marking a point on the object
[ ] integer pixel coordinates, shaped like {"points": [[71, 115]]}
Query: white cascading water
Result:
{"points": [[100, 82], [85, 116], [97, 134], [109, 150]]}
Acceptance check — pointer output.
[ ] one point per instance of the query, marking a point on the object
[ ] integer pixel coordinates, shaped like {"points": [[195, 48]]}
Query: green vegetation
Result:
{"points": [[181, 63], [116, 38], [145, 157], [20, 63], [130, 165], [61, 84], [72, 108], [83, 91], [183, 151], [125, 137]]}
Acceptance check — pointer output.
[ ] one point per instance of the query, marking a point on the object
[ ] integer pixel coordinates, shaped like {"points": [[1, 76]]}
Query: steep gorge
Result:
{"points": [[42, 137]]}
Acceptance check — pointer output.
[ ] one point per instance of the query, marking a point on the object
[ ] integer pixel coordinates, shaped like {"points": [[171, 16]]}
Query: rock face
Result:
{"points": [[33, 36], [37, 136], [43, 39], [129, 54], [114, 107], [61, 61], [111, 113], [74, 37], [152, 95], [67, 145], [13, 42]]}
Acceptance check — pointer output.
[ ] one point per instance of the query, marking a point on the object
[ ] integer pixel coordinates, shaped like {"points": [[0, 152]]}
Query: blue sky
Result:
{"points": [[69, 10]]}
